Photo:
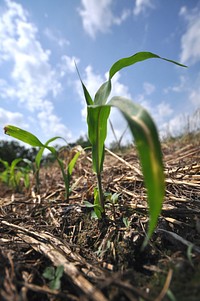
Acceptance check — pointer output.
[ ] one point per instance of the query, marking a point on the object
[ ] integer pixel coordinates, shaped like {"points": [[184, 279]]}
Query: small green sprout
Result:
{"points": [[111, 201], [54, 275], [126, 222]]}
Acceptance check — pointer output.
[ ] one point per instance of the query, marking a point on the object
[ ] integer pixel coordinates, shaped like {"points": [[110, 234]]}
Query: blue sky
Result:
{"points": [[39, 41]]}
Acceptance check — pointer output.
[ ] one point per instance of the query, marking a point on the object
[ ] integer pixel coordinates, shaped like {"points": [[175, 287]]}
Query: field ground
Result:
{"points": [[103, 260]]}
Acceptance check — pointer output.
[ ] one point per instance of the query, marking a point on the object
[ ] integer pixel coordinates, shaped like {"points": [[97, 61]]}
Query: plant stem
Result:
{"points": [[101, 196]]}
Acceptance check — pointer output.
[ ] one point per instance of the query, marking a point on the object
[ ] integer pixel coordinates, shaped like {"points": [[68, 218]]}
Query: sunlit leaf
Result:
{"points": [[88, 98], [41, 151], [146, 138], [31, 139], [73, 162], [103, 93], [138, 57], [97, 132], [22, 135]]}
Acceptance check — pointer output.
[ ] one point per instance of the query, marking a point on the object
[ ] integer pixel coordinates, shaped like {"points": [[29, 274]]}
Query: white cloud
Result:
{"points": [[98, 16], [190, 41], [164, 109], [142, 5], [8, 117], [56, 37], [181, 123], [68, 64], [50, 123], [32, 73], [194, 97], [148, 88], [5, 90], [32, 78], [180, 87]]}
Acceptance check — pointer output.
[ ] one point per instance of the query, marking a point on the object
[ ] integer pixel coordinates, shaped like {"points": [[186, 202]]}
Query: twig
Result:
{"points": [[165, 287]]}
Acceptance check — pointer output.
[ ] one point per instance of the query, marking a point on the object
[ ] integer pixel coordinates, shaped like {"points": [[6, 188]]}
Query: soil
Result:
{"points": [[103, 259]]}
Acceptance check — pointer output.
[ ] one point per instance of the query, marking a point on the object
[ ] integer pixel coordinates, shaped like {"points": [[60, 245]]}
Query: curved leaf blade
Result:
{"points": [[88, 98], [14, 163], [137, 57], [105, 89], [73, 162], [103, 93], [22, 135], [41, 151], [149, 149]]}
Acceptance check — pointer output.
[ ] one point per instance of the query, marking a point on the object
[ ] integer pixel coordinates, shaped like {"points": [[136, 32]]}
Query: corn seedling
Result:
{"points": [[111, 202], [32, 140], [13, 174], [142, 128]]}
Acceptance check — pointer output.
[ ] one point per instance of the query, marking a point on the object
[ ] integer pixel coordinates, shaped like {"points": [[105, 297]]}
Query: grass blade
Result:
{"points": [[146, 137]]}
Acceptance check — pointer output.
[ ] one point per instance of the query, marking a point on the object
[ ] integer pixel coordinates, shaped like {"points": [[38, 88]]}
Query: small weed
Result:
{"points": [[54, 276], [126, 222]]}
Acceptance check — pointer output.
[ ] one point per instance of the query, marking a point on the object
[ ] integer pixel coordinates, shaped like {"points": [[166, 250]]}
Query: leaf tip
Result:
{"points": [[6, 130]]}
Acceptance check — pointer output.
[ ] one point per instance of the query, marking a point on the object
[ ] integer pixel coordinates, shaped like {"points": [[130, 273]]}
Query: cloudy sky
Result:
{"points": [[40, 40]]}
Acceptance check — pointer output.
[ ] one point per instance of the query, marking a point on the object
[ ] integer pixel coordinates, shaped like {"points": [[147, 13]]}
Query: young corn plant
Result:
{"points": [[9, 175], [32, 140], [14, 175], [142, 128]]}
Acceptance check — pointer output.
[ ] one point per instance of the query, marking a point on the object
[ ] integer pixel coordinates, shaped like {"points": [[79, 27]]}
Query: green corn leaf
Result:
{"points": [[22, 135], [5, 163], [103, 93], [14, 163], [88, 98], [105, 89], [97, 206], [146, 138], [28, 137], [97, 132], [41, 151], [73, 162], [138, 57]]}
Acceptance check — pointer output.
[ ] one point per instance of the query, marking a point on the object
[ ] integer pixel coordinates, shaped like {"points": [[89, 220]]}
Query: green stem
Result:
{"points": [[101, 196], [65, 177]]}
